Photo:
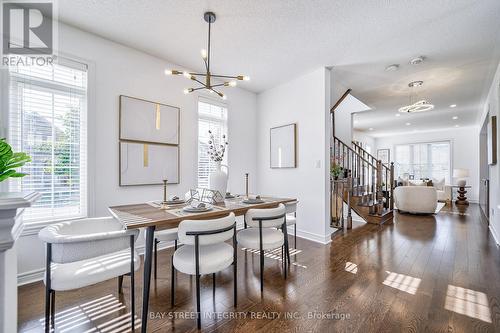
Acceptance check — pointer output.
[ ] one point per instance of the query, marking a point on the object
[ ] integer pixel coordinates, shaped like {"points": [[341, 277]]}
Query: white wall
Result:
{"points": [[305, 101], [493, 106], [114, 70], [366, 139], [465, 150]]}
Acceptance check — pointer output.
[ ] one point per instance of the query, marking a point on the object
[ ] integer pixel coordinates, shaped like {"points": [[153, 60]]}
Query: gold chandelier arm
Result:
{"points": [[227, 76]]}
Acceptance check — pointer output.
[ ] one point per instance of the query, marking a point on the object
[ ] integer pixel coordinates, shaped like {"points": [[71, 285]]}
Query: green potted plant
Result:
{"points": [[10, 161], [335, 171]]}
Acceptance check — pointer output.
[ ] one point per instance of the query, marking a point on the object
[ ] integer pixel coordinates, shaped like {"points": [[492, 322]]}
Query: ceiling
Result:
{"points": [[273, 41]]}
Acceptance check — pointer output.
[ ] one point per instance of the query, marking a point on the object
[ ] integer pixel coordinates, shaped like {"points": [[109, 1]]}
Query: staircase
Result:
{"points": [[365, 185]]}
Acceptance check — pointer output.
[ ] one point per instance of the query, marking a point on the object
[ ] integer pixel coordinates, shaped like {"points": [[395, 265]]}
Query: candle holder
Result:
{"points": [[246, 185], [164, 202]]}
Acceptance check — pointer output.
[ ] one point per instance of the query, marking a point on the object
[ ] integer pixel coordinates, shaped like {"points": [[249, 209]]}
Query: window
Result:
{"points": [[424, 160], [48, 121], [211, 117]]}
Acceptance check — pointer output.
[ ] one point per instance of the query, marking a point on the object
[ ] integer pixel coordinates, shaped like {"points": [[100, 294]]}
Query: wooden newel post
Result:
{"points": [[391, 178]]}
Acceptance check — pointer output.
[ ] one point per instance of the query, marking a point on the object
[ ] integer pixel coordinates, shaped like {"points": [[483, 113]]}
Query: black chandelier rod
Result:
{"points": [[208, 55]]}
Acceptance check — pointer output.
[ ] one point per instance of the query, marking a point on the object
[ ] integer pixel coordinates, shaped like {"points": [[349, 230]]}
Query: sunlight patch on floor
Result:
{"points": [[402, 282], [72, 319], [468, 302], [351, 267], [276, 254]]}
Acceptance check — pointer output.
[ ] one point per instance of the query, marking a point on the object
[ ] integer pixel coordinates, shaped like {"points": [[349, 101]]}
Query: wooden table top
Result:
{"points": [[144, 214]]}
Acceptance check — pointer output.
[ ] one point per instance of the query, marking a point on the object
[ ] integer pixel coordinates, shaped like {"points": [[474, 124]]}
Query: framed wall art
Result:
{"points": [[283, 146], [149, 135]]}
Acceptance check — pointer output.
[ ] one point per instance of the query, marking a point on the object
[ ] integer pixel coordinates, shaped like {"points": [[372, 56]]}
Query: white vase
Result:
{"points": [[218, 179]]}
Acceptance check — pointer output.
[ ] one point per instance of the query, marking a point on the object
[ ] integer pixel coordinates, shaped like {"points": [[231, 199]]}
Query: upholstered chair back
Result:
{"points": [[252, 215], [187, 226]]}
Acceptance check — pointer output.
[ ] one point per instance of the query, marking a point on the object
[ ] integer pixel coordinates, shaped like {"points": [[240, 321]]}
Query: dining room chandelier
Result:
{"points": [[415, 104], [205, 79]]}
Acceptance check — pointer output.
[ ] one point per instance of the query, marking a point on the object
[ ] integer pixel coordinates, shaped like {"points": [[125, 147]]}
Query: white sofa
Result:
{"points": [[443, 191], [416, 199]]}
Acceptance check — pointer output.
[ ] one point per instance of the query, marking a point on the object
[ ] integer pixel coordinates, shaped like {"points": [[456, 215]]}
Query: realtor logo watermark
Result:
{"points": [[28, 32]]}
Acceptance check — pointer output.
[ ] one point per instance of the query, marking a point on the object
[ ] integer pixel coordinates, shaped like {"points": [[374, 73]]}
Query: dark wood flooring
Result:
{"points": [[420, 274]]}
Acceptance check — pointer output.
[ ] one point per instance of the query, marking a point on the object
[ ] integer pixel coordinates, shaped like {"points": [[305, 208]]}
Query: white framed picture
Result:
{"points": [[283, 146]]}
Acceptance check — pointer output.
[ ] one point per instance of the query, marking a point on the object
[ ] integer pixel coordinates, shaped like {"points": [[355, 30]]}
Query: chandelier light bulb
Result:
{"points": [[246, 78], [224, 97], [168, 72], [187, 91], [204, 54], [186, 74]]}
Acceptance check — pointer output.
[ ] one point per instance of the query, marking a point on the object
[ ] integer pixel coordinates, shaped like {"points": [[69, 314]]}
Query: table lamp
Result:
{"points": [[461, 174]]}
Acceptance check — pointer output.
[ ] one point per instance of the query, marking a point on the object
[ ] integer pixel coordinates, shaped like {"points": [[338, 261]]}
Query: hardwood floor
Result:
{"points": [[422, 273]]}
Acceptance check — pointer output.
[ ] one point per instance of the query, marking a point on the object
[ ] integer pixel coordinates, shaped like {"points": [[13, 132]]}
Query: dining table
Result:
{"points": [[155, 216]]}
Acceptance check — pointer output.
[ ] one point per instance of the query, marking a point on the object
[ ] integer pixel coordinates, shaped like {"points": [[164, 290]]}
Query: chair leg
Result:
{"points": [[172, 283], [198, 303], [120, 284], [132, 284], [47, 286], [156, 258], [235, 285], [261, 252], [213, 283], [295, 236], [287, 248], [53, 310]]}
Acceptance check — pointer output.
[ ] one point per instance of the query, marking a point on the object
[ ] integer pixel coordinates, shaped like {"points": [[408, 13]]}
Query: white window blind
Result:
{"points": [[211, 117], [424, 160], [48, 121]]}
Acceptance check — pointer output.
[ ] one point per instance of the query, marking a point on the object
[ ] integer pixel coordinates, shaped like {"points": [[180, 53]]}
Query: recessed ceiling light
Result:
{"points": [[454, 118], [370, 129], [397, 114], [408, 124], [457, 125], [453, 106], [392, 68], [417, 60]]}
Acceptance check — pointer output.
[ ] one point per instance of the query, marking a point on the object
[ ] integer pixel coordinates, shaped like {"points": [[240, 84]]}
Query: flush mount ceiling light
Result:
{"points": [[392, 68], [417, 60], [205, 79], [453, 106], [416, 105]]}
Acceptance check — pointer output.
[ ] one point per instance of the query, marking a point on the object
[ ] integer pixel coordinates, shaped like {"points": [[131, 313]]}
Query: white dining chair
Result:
{"points": [[84, 252], [204, 251], [291, 219], [262, 234], [167, 235]]}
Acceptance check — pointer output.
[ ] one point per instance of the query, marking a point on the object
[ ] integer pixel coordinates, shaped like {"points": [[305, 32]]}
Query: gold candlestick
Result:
{"points": [[165, 191], [246, 184]]}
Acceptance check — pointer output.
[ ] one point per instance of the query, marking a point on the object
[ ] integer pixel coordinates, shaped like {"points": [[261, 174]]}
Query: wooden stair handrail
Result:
{"points": [[347, 92], [370, 155], [355, 152]]}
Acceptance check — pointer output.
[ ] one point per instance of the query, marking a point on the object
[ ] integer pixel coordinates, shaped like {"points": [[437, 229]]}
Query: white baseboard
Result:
{"points": [[30, 277], [322, 239], [495, 234]]}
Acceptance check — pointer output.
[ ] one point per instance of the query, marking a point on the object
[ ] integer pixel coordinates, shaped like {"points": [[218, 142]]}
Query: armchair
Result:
{"points": [[83, 252]]}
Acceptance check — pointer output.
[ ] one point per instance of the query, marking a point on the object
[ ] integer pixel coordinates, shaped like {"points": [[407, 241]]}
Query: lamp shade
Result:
{"points": [[460, 173]]}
